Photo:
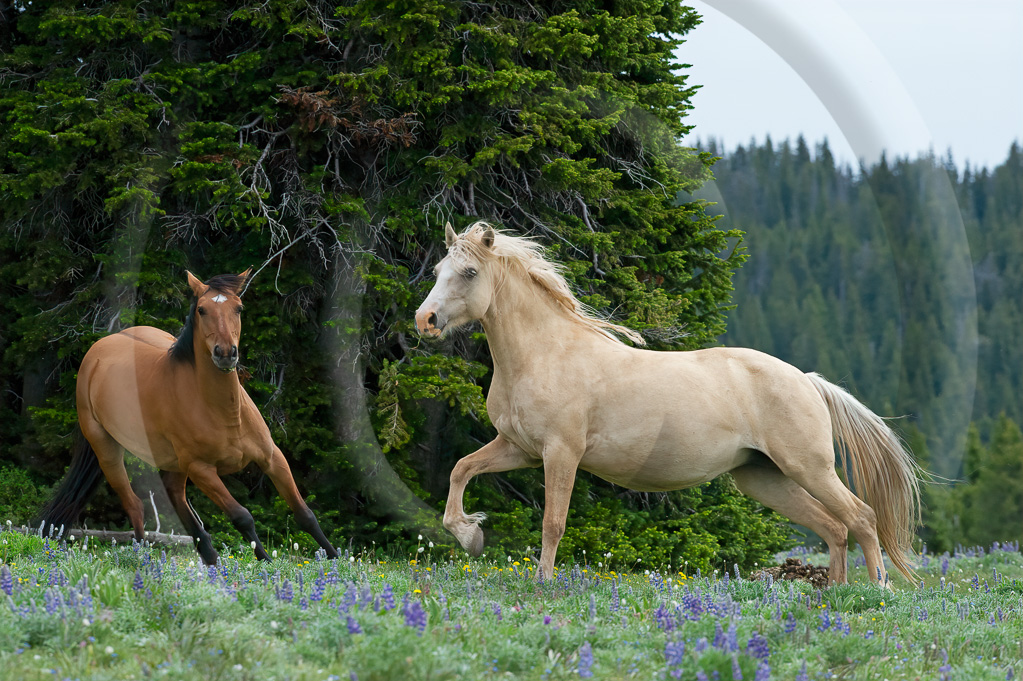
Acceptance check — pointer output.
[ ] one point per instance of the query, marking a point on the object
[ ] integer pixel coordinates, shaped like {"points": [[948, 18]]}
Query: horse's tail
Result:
{"points": [[74, 491], [883, 473]]}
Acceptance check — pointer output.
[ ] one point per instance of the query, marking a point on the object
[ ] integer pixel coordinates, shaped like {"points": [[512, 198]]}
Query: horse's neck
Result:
{"points": [[221, 392], [525, 325]]}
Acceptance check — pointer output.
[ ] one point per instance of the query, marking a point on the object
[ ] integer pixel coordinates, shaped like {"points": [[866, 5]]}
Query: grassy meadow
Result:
{"points": [[74, 610]]}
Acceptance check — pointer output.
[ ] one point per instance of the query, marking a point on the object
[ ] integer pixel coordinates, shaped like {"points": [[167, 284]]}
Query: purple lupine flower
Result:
{"points": [[944, 565], [757, 647], [701, 676], [6, 580], [664, 619], [803, 676], [415, 617], [790, 623], [616, 601], [593, 607], [138, 583], [719, 636], [53, 602], [387, 597], [732, 638], [945, 669], [286, 592], [348, 600], [353, 626], [825, 620], [497, 612], [585, 660], [674, 652], [763, 672], [319, 588]]}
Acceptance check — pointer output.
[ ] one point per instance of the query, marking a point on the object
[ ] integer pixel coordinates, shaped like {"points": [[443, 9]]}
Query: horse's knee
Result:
{"points": [[553, 529]]}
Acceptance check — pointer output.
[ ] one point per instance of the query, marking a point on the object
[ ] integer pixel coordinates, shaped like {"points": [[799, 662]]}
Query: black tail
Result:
{"points": [[75, 490]]}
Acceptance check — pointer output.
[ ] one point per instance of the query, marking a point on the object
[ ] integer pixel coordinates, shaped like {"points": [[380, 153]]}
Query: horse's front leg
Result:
{"points": [[560, 464], [205, 477], [279, 472], [495, 457]]}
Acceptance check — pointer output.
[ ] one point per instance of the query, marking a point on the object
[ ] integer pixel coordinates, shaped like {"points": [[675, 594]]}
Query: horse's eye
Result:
{"points": [[470, 273], [201, 311]]}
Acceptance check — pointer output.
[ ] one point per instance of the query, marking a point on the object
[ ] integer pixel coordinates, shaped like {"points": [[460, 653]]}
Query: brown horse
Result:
{"points": [[178, 405], [567, 394]]}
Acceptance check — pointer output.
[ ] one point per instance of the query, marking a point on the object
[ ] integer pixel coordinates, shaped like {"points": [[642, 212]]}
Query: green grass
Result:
{"points": [[130, 612]]}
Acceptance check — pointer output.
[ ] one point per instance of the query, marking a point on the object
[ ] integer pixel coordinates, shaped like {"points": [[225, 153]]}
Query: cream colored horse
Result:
{"points": [[567, 394]]}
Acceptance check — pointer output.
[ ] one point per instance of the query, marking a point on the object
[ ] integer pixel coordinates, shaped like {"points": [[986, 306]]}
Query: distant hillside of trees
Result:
{"points": [[903, 281]]}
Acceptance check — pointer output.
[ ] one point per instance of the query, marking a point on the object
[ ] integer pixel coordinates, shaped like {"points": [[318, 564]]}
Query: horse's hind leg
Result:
{"points": [[769, 486], [174, 483], [280, 473], [110, 455], [818, 477], [495, 457]]}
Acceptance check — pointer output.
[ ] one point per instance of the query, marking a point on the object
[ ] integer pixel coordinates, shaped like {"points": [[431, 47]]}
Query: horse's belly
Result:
{"points": [[672, 457]]}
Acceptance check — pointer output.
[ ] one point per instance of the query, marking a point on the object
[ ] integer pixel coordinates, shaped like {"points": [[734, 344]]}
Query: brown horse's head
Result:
{"points": [[216, 319]]}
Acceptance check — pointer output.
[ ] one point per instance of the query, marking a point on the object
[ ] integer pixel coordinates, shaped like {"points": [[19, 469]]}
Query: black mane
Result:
{"points": [[182, 350]]}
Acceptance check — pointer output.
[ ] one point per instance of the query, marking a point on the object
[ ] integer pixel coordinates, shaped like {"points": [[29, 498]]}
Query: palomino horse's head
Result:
{"points": [[217, 322], [465, 282]]}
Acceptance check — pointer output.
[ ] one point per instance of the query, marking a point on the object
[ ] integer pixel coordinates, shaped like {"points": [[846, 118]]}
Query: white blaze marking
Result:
{"points": [[219, 298]]}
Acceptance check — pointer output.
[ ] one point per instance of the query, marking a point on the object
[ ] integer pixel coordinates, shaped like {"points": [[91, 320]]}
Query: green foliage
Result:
{"points": [[20, 495]]}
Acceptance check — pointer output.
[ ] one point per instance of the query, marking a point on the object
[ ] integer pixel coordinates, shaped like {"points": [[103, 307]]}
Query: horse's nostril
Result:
{"points": [[432, 319], [217, 352], [234, 352]]}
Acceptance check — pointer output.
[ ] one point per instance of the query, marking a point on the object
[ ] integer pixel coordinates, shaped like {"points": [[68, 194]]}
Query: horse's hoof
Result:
{"points": [[475, 543]]}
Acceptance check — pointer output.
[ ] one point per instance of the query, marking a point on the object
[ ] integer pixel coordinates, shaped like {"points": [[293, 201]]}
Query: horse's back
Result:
{"points": [[674, 419]]}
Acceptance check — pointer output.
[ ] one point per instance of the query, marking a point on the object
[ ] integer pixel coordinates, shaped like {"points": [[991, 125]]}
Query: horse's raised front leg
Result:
{"points": [[495, 457], [206, 479], [279, 472]]}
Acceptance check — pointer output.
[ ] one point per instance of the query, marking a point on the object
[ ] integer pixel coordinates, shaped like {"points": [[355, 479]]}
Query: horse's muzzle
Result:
{"points": [[226, 364], [428, 323]]}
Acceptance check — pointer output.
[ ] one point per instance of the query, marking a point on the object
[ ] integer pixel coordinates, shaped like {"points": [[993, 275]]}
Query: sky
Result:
{"points": [[904, 76]]}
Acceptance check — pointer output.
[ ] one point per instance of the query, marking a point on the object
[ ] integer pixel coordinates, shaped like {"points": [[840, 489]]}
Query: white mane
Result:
{"points": [[528, 256]]}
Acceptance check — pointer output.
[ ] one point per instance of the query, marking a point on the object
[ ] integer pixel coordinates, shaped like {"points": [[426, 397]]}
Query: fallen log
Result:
{"points": [[122, 537]]}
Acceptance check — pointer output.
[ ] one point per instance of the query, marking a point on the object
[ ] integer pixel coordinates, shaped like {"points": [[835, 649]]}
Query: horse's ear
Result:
{"points": [[198, 288], [243, 280], [488, 238], [449, 235]]}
